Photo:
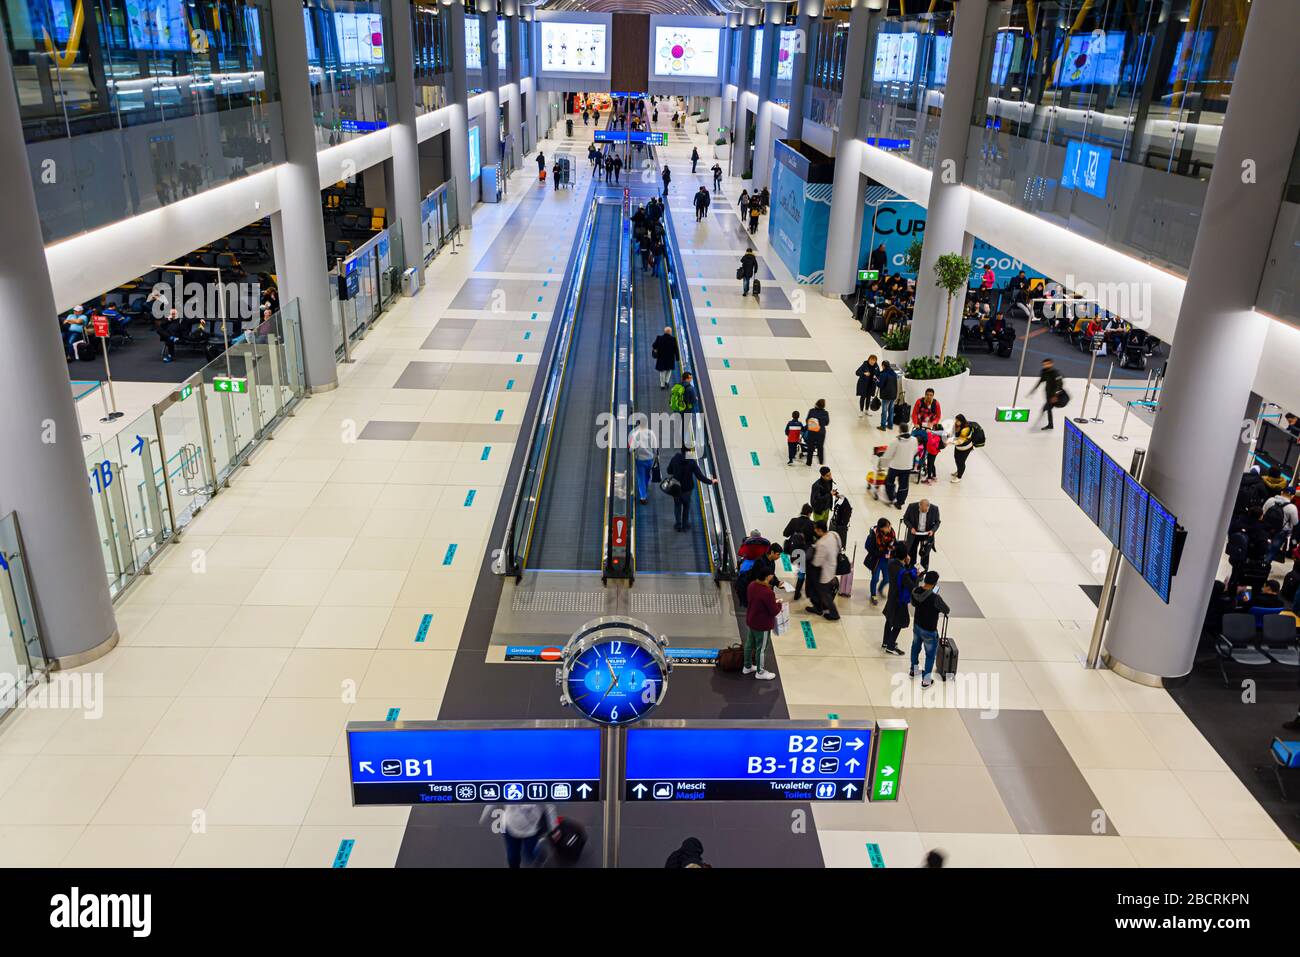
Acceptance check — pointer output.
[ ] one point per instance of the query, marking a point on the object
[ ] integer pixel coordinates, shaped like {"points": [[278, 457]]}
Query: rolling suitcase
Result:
{"points": [[567, 839], [757, 286], [945, 661]]}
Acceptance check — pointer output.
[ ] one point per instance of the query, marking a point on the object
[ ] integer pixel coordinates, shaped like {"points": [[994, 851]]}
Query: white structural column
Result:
{"points": [[806, 23], [298, 230], [491, 46], [1194, 459], [44, 480], [945, 219], [773, 19], [740, 148], [514, 116], [845, 226], [458, 127], [405, 140]]}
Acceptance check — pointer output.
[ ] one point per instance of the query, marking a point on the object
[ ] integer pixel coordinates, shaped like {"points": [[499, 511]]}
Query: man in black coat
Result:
{"points": [[687, 472], [866, 384], [921, 519], [822, 495], [664, 350], [902, 579]]}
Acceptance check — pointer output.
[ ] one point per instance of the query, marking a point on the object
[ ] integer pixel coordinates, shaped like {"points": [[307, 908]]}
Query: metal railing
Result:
{"points": [[619, 560]]}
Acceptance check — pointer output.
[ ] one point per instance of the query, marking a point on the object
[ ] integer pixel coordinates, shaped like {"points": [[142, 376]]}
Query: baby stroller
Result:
{"points": [[876, 477], [1134, 355]]}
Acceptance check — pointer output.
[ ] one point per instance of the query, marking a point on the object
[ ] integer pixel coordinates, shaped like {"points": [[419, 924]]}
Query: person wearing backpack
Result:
{"points": [[841, 513], [664, 350], [814, 437], [799, 536], [967, 437], [793, 436], [887, 387], [822, 495], [748, 269], [1280, 518], [931, 445], [925, 625], [880, 544], [902, 578]]}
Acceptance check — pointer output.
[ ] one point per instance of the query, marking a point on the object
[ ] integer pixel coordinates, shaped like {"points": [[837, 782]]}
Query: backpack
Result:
{"points": [[752, 548], [1273, 519], [905, 583], [814, 424], [843, 512], [976, 434], [677, 398]]}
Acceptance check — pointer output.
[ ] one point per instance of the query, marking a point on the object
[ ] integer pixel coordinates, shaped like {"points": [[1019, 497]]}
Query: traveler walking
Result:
{"points": [[880, 544], [928, 606], [522, 826], [645, 448], [753, 218], [841, 515], [1054, 394], [701, 203], [822, 495], [668, 178], [799, 537], [817, 419], [761, 611], [743, 203], [921, 521], [695, 158], [748, 268], [793, 436], [887, 391], [897, 459], [866, 384], [541, 164], [824, 577], [618, 167], [717, 178], [664, 350], [687, 472], [898, 600]]}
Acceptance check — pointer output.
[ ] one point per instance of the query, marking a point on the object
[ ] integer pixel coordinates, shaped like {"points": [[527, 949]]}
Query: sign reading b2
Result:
{"points": [[1087, 168]]}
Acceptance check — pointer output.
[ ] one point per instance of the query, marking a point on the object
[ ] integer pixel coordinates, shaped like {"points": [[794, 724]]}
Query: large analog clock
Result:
{"points": [[614, 671]]}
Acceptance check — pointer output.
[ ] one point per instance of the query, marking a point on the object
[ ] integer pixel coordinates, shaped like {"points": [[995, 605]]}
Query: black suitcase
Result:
{"points": [[567, 839], [902, 412], [757, 287], [1004, 349], [945, 663]]}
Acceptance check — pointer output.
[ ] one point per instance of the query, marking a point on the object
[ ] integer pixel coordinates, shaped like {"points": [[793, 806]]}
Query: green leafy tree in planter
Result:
{"points": [[912, 258], [896, 338], [951, 272]]}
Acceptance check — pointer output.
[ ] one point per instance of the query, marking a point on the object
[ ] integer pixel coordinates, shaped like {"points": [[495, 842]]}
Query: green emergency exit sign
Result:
{"points": [[868, 275], [224, 383], [185, 393], [1006, 413], [887, 768]]}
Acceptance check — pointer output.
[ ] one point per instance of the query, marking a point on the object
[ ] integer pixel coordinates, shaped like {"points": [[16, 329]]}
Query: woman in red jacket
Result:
{"points": [[760, 619]]}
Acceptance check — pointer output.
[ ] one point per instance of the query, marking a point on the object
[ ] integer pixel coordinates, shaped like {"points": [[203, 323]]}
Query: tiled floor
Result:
{"points": [[294, 602]]}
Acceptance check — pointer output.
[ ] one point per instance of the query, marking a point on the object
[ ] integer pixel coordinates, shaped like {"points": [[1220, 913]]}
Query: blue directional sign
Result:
{"points": [[473, 762], [635, 136], [718, 761]]}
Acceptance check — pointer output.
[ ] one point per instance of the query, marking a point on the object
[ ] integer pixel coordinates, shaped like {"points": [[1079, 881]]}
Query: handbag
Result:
{"points": [[731, 658], [1061, 399], [782, 620], [655, 475], [843, 564], [671, 486], [740, 272], [874, 404]]}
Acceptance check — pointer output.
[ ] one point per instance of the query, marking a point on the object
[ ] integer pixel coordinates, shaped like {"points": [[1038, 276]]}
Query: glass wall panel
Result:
{"points": [[129, 105], [1104, 115], [350, 65], [826, 67], [432, 44], [903, 83]]}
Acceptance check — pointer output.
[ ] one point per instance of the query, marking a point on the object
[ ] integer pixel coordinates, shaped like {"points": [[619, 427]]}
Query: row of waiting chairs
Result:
{"points": [[1256, 638]]}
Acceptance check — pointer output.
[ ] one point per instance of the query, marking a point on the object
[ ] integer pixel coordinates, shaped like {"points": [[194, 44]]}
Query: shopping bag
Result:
{"points": [[846, 578], [782, 625]]}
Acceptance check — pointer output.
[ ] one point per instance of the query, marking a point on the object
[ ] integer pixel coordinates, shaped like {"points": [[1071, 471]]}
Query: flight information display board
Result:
{"points": [[1071, 460], [747, 764], [1090, 479], [424, 763], [1161, 543], [1110, 510], [1134, 522]]}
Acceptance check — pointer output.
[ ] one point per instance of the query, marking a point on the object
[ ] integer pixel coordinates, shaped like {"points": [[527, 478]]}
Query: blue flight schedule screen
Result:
{"points": [[396, 765], [1158, 567], [1133, 538], [1070, 460], [1110, 510], [746, 764], [1090, 479]]}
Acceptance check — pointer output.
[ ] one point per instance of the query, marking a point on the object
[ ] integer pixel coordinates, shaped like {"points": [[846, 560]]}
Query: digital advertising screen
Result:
{"points": [[757, 57], [1086, 168], [1134, 535], [687, 51], [895, 58], [1192, 60], [360, 37], [157, 25], [1158, 566], [1004, 53], [473, 44], [1071, 460], [475, 160], [313, 52], [1093, 59], [573, 47], [785, 55], [942, 54], [60, 19]]}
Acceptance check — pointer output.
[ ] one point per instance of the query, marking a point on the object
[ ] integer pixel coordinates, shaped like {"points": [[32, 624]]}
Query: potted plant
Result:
{"points": [[946, 376], [721, 149], [893, 345], [951, 273], [912, 258]]}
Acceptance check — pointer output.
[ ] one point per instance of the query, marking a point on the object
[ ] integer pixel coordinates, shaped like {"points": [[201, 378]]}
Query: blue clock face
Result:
{"points": [[615, 682]]}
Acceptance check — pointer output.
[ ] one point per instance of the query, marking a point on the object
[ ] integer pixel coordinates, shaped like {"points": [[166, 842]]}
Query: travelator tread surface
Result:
{"points": [[659, 547], [570, 516]]}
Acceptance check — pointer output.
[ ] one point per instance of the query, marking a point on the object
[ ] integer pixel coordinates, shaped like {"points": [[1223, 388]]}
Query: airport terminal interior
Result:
{"points": [[650, 433]]}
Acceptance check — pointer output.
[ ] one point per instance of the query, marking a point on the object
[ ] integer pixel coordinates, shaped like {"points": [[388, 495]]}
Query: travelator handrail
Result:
{"points": [[542, 428], [713, 505], [619, 554]]}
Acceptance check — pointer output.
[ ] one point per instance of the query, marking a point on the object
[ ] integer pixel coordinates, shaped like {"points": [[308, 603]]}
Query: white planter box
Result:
{"points": [[722, 152], [948, 391], [896, 359]]}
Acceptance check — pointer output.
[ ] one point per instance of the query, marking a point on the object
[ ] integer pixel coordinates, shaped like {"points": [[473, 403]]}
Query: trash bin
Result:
{"points": [[410, 282]]}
